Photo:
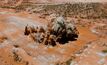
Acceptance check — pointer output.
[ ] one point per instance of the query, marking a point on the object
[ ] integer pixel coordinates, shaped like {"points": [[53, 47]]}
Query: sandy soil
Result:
{"points": [[18, 49]]}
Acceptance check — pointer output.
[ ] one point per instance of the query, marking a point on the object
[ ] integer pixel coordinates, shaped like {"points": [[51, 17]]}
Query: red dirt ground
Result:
{"points": [[31, 53]]}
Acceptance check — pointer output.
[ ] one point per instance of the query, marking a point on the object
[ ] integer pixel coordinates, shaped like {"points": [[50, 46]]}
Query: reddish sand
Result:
{"points": [[31, 53]]}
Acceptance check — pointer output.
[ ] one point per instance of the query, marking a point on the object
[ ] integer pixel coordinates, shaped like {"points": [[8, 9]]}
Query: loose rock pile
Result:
{"points": [[59, 30]]}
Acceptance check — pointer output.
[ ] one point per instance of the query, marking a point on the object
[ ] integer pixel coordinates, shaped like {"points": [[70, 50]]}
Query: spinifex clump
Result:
{"points": [[58, 30]]}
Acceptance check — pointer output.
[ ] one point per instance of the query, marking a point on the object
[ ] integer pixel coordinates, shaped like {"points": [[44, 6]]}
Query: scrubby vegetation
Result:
{"points": [[59, 30], [104, 51], [68, 62], [82, 10]]}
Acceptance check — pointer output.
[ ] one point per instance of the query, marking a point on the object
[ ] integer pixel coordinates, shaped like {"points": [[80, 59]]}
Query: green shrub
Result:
{"points": [[104, 51]]}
